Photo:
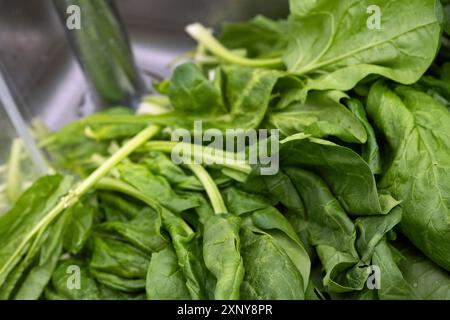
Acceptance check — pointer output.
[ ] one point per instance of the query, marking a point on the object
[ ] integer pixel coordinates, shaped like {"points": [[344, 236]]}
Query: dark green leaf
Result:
{"points": [[417, 131], [346, 173], [144, 231], [155, 186], [269, 271], [321, 115], [165, 279], [191, 92], [18, 224], [370, 151], [79, 225], [221, 250]]}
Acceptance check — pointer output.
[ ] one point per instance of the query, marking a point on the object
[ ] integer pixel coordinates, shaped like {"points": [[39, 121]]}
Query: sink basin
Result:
{"points": [[44, 76]]}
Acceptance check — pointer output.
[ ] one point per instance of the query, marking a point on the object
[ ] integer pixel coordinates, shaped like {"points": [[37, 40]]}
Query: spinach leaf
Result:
{"points": [[393, 285], [331, 231], [442, 86], [118, 264], [344, 247], [117, 208], [274, 223], [64, 286], [372, 230], [36, 279], [161, 165], [416, 129], [428, 281], [260, 36], [144, 231], [321, 115], [165, 279], [156, 186], [269, 271], [115, 282], [73, 146], [221, 252], [370, 151], [240, 202], [247, 93], [447, 18], [189, 253], [110, 255], [79, 226], [345, 50], [280, 187], [191, 92], [183, 238], [345, 172], [18, 224]]}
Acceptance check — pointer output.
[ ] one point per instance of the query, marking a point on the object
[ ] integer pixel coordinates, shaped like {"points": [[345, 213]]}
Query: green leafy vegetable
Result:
{"points": [[259, 37], [322, 115], [342, 46], [357, 206], [416, 128]]}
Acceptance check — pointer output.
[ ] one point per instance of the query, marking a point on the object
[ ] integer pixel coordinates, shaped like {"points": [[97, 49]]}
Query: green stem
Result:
{"points": [[211, 188], [116, 119], [117, 157], [209, 155], [13, 185], [72, 197], [205, 38], [111, 184], [162, 101]]}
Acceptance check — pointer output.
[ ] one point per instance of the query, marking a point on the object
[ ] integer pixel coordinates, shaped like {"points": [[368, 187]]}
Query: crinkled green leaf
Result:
{"points": [[165, 279], [321, 115], [417, 130], [18, 223], [221, 252]]}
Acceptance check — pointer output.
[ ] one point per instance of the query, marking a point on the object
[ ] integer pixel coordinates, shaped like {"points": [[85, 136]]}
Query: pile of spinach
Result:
{"points": [[360, 206]]}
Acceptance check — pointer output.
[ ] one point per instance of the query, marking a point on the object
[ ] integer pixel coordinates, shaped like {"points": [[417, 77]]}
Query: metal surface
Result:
{"points": [[45, 77]]}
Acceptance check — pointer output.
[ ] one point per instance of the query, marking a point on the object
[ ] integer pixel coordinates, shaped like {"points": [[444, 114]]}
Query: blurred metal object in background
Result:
{"points": [[43, 73], [101, 45]]}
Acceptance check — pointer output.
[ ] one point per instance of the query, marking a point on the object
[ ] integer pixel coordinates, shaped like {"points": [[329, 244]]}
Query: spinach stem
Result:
{"points": [[111, 184], [73, 196], [210, 155], [117, 157], [211, 188], [205, 38]]}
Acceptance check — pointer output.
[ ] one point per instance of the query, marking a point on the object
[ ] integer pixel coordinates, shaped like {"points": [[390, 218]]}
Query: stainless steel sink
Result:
{"points": [[43, 74]]}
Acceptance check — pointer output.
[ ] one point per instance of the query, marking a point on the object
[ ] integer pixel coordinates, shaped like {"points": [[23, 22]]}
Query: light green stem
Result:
{"points": [[211, 188], [72, 197], [111, 184], [205, 38], [118, 156], [209, 155]]}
